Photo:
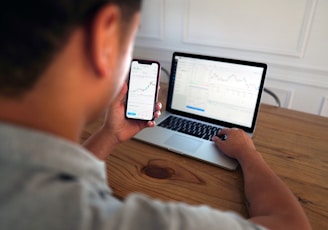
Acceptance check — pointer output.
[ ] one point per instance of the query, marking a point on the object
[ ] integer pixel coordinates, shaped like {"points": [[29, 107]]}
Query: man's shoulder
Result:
{"points": [[140, 210], [32, 198], [40, 198], [49, 182]]}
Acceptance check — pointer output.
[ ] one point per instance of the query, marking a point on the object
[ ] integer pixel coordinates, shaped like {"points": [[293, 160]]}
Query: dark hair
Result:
{"points": [[33, 31]]}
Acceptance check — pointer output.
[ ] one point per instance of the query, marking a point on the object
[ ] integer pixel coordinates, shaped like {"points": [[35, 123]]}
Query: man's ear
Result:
{"points": [[104, 37]]}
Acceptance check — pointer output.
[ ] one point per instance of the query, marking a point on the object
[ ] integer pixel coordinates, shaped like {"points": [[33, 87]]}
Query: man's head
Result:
{"points": [[63, 61], [33, 32]]}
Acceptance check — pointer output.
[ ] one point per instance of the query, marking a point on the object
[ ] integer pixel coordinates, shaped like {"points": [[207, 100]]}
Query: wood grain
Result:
{"points": [[294, 144]]}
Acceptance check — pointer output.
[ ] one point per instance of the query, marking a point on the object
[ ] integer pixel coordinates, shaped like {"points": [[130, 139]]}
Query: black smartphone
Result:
{"points": [[142, 89]]}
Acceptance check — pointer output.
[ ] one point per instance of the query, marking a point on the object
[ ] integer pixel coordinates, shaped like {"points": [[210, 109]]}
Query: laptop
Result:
{"points": [[205, 94]]}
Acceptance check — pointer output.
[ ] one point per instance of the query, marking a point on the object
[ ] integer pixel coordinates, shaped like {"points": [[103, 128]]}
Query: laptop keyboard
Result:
{"points": [[189, 127]]}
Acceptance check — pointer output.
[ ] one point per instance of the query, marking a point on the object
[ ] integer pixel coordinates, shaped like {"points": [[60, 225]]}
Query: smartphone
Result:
{"points": [[142, 89]]}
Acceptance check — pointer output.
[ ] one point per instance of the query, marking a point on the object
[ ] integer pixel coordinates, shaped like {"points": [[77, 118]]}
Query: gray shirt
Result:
{"points": [[50, 183]]}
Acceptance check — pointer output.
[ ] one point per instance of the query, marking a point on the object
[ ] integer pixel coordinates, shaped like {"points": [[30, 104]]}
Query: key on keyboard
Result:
{"points": [[193, 128]]}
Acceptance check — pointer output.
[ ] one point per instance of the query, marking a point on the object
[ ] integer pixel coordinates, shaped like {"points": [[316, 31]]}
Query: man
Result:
{"points": [[62, 63]]}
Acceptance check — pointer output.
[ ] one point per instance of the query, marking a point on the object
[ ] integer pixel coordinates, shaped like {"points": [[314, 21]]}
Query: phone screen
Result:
{"points": [[142, 89]]}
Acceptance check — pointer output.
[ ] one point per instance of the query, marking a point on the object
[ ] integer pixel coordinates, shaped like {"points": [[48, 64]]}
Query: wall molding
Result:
{"points": [[324, 107], [152, 16], [298, 75], [285, 95], [192, 23], [309, 76]]}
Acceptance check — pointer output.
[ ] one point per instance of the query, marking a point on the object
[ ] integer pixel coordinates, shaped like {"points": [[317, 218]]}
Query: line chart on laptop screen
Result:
{"points": [[219, 90]]}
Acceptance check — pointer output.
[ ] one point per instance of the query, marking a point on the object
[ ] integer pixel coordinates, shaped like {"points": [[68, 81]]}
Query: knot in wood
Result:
{"points": [[158, 172]]}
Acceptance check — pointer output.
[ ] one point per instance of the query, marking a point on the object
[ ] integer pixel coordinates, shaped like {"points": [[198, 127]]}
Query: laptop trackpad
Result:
{"points": [[183, 143]]}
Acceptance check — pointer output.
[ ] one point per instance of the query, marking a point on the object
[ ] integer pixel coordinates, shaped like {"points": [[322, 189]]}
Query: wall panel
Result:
{"points": [[279, 27], [289, 35], [152, 20]]}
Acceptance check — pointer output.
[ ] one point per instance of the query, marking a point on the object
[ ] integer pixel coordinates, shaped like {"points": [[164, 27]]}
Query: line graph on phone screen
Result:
{"points": [[142, 89]]}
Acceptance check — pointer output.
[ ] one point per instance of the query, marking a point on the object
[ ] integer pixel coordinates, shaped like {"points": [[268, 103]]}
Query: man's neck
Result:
{"points": [[46, 117]]}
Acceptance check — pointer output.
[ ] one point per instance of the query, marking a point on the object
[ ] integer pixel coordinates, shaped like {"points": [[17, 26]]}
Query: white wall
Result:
{"points": [[291, 36]]}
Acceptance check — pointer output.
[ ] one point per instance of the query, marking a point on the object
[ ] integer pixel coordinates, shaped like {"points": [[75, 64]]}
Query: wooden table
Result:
{"points": [[294, 144]]}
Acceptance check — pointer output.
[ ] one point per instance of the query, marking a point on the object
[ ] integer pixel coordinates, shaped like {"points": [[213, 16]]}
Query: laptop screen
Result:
{"points": [[223, 91]]}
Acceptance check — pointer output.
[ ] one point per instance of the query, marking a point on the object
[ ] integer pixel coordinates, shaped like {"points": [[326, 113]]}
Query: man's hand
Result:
{"points": [[120, 128], [116, 127], [237, 144]]}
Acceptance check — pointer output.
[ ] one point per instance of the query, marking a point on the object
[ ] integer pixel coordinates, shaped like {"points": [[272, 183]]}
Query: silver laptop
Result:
{"points": [[205, 94]]}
